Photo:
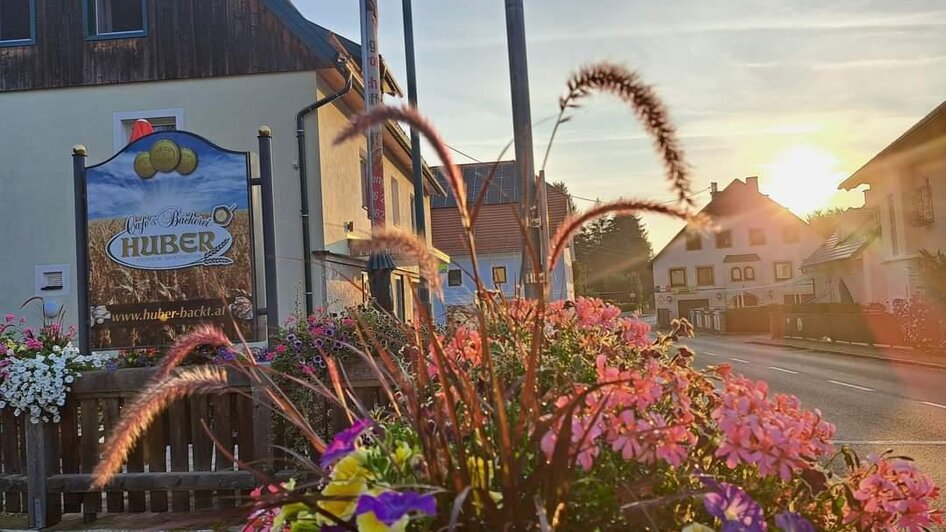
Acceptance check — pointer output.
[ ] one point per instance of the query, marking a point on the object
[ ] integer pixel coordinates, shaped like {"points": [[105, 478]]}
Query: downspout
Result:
{"points": [[304, 186]]}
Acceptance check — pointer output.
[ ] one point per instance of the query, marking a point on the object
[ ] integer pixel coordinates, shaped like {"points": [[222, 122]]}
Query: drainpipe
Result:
{"points": [[304, 185]]}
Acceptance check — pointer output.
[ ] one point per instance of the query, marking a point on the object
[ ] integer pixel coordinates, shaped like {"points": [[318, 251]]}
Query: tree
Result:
{"points": [[824, 221], [613, 255]]}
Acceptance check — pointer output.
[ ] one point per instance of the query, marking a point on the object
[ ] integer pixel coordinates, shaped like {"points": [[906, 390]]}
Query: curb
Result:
{"points": [[901, 361]]}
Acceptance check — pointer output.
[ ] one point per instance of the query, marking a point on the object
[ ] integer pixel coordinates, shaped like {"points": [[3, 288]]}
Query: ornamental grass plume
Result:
{"points": [[203, 335], [139, 415], [401, 241]]}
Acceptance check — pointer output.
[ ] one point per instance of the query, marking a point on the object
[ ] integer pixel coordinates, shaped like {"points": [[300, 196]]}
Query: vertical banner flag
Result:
{"points": [[170, 236], [370, 59]]}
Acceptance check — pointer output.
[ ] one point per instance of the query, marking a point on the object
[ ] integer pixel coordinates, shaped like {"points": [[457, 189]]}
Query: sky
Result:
{"points": [[798, 92]]}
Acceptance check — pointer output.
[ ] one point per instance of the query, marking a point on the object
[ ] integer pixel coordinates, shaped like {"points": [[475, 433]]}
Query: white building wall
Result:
{"points": [[39, 129], [764, 287]]}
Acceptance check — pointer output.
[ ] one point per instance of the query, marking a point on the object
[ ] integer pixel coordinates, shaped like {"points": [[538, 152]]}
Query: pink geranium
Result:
{"points": [[776, 435], [33, 344], [892, 494]]}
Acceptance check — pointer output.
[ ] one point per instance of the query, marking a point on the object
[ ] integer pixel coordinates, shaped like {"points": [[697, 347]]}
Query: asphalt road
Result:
{"points": [[874, 405]]}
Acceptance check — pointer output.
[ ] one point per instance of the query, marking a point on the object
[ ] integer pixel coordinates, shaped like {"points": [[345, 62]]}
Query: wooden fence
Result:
{"points": [[175, 467], [866, 327]]}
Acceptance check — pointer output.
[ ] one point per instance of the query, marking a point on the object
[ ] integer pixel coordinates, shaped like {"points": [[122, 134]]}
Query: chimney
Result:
{"points": [[714, 189], [753, 182]]}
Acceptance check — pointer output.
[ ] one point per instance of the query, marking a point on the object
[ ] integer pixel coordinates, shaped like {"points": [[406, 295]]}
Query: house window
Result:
{"points": [[365, 182], [694, 241], [894, 244], [790, 234], [413, 216], [783, 271], [724, 239], [756, 237], [395, 202], [16, 22], [735, 274], [704, 276], [454, 278], [499, 275], [678, 277], [748, 273], [399, 298], [116, 18], [160, 119]]}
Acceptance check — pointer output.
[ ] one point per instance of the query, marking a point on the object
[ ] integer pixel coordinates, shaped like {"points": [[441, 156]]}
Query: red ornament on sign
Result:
{"points": [[140, 129]]}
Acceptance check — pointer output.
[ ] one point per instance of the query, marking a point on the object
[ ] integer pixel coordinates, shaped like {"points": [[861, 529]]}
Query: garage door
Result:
{"points": [[684, 307]]}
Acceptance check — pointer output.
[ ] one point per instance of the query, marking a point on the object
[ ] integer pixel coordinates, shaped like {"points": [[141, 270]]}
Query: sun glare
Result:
{"points": [[802, 178]]}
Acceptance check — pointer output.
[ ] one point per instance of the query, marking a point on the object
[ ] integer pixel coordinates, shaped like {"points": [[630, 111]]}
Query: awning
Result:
{"points": [[381, 260], [745, 257]]}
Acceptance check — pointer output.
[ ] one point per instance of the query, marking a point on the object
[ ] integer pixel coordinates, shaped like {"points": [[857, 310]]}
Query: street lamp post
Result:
{"points": [[531, 275]]}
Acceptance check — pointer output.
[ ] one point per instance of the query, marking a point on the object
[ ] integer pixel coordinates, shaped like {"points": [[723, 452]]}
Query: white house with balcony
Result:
{"points": [[906, 198], [753, 258]]}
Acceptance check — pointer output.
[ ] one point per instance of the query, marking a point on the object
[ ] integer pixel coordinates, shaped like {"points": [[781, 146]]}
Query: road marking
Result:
{"points": [[889, 442], [784, 370], [739, 360], [710, 354], [849, 385], [937, 405]]}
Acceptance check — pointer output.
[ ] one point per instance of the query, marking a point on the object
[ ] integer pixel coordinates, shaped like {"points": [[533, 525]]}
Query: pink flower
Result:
{"points": [[776, 435], [891, 494], [635, 332], [281, 348], [3, 349], [34, 344], [9, 317]]}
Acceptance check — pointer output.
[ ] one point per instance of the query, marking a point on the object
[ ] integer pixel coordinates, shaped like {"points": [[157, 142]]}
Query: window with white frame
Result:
{"points": [[115, 18], [783, 271], [160, 119], [16, 22]]}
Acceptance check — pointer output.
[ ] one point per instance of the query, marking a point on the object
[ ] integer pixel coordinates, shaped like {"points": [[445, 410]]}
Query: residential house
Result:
{"points": [[845, 267], [752, 259], [83, 71], [907, 193], [498, 237]]}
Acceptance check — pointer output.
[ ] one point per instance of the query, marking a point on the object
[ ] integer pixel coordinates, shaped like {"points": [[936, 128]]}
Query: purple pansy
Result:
{"points": [[391, 506], [793, 522], [344, 442], [733, 506]]}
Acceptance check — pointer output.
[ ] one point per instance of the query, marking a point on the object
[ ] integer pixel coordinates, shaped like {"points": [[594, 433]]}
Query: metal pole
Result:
{"points": [[79, 154], [531, 275], [423, 292], [269, 231]]}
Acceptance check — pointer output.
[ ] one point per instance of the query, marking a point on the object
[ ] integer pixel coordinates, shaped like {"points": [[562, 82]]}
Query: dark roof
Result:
{"points": [[931, 126], [504, 187], [323, 42], [839, 246], [745, 257]]}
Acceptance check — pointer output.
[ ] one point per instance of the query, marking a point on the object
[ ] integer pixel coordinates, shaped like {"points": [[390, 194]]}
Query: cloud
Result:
{"points": [[881, 63]]}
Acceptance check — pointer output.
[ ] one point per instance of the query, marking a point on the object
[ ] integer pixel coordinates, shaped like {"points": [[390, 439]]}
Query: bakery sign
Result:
{"points": [[170, 241]]}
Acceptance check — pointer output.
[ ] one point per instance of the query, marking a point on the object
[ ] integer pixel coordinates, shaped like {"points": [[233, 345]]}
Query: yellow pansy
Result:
{"points": [[349, 481], [367, 522], [402, 454]]}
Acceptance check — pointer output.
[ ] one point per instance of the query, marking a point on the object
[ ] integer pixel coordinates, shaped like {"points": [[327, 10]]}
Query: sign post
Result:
{"points": [[371, 61], [79, 155], [269, 230]]}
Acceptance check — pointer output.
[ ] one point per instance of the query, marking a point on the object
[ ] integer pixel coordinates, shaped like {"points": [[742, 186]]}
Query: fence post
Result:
{"points": [[38, 443]]}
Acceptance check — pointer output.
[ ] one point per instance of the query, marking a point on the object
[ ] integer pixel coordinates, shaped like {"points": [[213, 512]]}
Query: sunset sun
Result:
{"points": [[803, 178]]}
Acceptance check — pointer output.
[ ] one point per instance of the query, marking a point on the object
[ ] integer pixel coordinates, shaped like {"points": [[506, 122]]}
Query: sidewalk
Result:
{"points": [[896, 355]]}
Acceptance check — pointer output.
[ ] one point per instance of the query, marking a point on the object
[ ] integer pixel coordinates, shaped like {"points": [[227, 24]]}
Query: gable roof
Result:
{"points": [[841, 244], [930, 127], [732, 200], [504, 186], [496, 229], [325, 43]]}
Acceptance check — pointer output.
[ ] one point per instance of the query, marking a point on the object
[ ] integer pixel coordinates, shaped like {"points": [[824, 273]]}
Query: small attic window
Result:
{"points": [[52, 281], [115, 19], [16, 22]]}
